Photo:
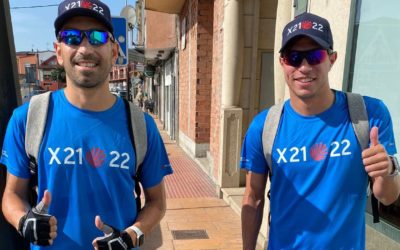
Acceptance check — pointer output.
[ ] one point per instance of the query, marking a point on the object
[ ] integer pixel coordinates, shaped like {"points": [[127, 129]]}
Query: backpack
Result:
{"points": [[359, 120], [36, 123]]}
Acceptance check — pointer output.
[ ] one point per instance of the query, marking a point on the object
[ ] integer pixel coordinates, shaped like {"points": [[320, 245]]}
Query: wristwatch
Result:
{"points": [[396, 166], [139, 236]]}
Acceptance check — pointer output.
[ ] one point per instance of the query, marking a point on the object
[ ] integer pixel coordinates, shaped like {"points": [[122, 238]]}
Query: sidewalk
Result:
{"points": [[196, 218]]}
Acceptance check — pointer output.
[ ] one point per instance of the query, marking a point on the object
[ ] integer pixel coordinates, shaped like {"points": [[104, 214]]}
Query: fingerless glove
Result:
{"points": [[117, 240], [35, 227]]}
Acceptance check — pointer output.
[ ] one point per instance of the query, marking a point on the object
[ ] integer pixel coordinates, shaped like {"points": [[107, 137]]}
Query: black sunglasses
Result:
{"points": [[313, 57], [75, 36]]}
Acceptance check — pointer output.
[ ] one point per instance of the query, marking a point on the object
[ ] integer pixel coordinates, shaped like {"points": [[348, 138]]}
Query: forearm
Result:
{"points": [[386, 189], [150, 215], [14, 207], [152, 212], [252, 214]]}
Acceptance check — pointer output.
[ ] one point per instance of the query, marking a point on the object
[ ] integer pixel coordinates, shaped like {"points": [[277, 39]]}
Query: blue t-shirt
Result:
{"points": [[319, 184], [86, 161]]}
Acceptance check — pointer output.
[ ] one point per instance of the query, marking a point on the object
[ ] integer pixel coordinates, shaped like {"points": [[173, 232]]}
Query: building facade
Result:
{"points": [[34, 71], [25, 62], [45, 71], [158, 41], [119, 79]]}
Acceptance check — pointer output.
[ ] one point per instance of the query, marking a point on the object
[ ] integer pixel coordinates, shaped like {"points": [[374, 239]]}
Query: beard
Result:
{"points": [[90, 77], [89, 80]]}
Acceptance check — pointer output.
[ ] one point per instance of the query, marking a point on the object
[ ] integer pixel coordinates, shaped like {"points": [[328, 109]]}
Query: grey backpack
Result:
{"points": [[359, 120], [36, 123]]}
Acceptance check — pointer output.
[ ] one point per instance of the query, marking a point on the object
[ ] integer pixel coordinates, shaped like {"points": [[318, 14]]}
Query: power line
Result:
{"points": [[33, 7]]}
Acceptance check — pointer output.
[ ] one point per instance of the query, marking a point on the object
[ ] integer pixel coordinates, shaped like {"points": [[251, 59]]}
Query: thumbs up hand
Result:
{"points": [[43, 206], [37, 226], [113, 238], [375, 158], [106, 229]]}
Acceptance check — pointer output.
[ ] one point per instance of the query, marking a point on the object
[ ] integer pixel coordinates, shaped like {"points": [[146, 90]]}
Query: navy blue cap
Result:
{"points": [[311, 26], [89, 8]]}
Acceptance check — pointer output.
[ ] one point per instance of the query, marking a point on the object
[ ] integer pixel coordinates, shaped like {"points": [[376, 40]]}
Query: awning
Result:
{"points": [[136, 56], [170, 6], [149, 56]]}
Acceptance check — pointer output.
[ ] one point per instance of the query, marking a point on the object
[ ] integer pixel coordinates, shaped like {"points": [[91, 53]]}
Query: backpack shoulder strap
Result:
{"points": [[359, 118], [269, 131], [138, 135], [137, 126], [36, 123]]}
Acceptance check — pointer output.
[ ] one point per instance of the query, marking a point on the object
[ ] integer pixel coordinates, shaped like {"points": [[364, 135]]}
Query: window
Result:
{"points": [[375, 66], [300, 6]]}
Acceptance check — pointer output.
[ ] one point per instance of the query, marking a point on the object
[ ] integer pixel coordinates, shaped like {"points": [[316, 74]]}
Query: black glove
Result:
{"points": [[35, 226], [114, 240]]}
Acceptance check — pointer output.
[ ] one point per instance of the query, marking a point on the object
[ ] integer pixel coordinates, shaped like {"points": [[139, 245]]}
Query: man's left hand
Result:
{"points": [[375, 158], [113, 238]]}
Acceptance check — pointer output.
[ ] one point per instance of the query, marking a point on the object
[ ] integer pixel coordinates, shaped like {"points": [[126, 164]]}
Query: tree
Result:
{"points": [[58, 75]]}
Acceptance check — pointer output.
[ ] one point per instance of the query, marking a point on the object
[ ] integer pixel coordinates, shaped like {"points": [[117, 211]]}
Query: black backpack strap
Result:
{"points": [[137, 130], [374, 204]]}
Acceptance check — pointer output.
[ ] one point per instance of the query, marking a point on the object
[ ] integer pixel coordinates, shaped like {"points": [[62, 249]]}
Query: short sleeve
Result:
{"points": [[379, 116], [156, 164], [252, 155], [13, 154]]}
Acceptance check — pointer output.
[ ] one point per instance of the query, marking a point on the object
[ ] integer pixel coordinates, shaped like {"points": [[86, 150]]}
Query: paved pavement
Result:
{"points": [[196, 218]]}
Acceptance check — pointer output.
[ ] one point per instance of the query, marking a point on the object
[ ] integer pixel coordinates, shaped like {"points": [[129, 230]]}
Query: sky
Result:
{"points": [[33, 28]]}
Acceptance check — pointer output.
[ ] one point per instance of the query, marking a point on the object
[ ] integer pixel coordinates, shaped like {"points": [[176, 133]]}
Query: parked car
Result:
{"points": [[37, 91], [123, 94]]}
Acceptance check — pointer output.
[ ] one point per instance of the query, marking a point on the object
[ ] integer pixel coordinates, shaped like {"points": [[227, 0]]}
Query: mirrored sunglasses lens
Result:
{"points": [[316, 56], [294, 58], [71, 37], [97, 37]]}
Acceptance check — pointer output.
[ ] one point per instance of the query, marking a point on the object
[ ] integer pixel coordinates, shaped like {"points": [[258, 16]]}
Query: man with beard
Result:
{"points": [[86, 160]]}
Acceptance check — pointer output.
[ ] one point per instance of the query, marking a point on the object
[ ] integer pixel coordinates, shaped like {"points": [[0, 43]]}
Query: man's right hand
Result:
{"points": [[37, 226], [113, 238]]}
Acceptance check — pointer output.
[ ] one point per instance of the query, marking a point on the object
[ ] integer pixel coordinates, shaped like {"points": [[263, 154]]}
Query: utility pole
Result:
{"points": [[10, 97], [129, 92]]}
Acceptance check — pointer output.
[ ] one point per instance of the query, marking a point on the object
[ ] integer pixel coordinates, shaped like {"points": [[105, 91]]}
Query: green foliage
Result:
{"points": [[58, 74]]}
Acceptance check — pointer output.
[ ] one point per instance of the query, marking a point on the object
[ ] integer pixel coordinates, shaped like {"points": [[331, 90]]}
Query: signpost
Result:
{"points": [[120, 34]]}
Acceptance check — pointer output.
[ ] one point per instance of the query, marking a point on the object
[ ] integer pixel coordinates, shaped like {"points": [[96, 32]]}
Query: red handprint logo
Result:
{"points": [[95, 157], [318, 151], [306, 25], [86, 4]]}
